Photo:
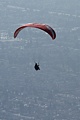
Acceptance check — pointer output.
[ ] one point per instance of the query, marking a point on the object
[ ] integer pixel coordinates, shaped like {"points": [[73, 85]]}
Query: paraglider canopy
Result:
{"points": [[43, 27]]}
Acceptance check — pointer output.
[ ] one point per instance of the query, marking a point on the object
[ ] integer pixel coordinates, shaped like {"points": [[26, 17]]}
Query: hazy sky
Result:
{"points": [[54, 91]]}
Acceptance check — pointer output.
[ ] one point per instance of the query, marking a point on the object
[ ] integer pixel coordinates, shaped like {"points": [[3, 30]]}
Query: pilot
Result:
{"points": [[36, 67]]}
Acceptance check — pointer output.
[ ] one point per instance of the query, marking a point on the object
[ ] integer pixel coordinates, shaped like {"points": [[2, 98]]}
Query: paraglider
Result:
{"points": [[44, 27]]}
